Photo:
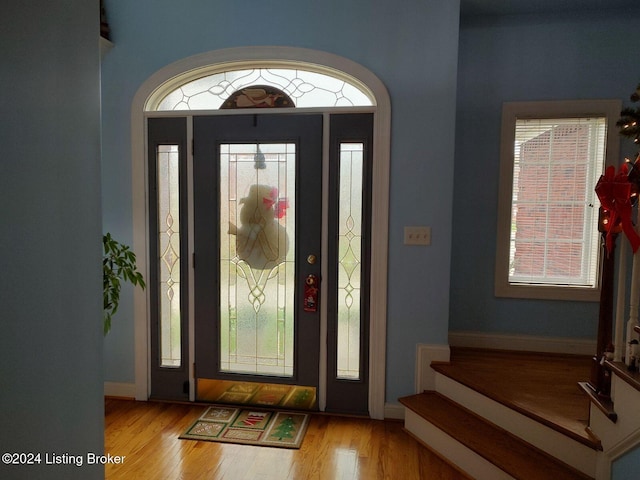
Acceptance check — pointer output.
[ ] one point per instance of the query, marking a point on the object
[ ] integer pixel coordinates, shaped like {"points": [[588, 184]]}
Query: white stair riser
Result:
{"points": [[560, 446], [624, 435], [449, 448]]}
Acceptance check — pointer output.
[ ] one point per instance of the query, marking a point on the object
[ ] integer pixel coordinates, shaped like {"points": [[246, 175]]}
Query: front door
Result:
{"points": [[239, 235], [257, 244]]}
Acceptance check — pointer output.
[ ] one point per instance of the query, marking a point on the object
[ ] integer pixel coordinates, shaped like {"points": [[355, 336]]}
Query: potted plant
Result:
{"points": [[118, 265]]}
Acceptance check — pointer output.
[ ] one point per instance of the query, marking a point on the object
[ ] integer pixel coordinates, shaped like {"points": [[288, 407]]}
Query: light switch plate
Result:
{"points": [[417, 235]]}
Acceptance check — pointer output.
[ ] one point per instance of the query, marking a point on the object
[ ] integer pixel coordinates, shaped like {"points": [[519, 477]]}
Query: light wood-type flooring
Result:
{"points": [[334, 448], [345, 448]]}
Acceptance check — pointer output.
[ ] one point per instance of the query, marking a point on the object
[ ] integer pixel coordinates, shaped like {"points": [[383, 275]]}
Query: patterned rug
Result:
{"points": [[250, 426]]}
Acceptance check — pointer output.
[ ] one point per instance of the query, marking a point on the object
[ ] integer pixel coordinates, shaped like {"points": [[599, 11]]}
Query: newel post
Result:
{"points": [[600, 376]]}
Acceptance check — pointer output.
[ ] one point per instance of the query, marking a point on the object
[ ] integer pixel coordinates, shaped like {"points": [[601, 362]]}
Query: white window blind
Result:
{"points": [[554, 209]]}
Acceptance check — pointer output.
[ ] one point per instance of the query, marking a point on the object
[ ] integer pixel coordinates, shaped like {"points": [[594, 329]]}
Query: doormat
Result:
{"points": [[249, 426]]}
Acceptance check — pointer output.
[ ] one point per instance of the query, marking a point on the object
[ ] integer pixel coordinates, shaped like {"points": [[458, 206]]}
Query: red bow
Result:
{"points": [[280, 205], [614, 192]]}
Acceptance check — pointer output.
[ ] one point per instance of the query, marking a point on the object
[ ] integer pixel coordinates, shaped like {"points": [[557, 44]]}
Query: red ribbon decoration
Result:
{"points": [[614, 192], [279, 205]]}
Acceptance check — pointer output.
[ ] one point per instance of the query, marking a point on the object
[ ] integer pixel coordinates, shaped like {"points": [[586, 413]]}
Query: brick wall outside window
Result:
{"points": [[551, 189]]}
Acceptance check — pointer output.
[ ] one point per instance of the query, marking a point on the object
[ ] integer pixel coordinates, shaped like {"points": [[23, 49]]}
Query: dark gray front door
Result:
{"points": [[257, 239]]}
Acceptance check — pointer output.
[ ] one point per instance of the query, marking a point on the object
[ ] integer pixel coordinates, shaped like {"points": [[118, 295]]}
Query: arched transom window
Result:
{"points": [[302, 88]]}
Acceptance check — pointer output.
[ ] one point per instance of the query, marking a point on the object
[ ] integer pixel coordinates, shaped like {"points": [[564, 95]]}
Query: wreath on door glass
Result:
{"points": [[262, 242]]}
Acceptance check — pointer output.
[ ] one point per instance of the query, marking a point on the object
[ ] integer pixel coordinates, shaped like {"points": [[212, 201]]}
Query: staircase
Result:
{"points": [[514, 415]]}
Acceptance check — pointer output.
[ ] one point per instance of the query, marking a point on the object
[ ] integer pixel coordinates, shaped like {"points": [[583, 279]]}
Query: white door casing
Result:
{"points": [[220, 60]]}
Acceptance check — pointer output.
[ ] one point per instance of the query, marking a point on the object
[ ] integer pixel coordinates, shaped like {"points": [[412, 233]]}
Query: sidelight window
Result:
{"points": [[350, 259], [168, 238]]}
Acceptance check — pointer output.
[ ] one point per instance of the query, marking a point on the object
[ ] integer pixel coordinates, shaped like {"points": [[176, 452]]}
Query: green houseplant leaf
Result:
{"points": [[118, 264]]}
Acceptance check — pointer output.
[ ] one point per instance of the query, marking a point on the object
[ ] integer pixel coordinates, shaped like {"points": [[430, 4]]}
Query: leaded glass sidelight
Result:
{"points": [[257, 234], [169, 254], [350, 259]]}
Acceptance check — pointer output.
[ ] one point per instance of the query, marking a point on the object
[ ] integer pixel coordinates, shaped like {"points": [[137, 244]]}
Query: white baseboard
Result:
{"points": [[117, 389], [425, 354], [528, 343], [394, 411]]}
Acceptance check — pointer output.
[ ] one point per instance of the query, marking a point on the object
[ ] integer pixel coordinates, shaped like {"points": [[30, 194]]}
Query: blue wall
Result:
{"points": [[411, 47], [519, 58], [627, 466], [51, 372], [414, 50]]}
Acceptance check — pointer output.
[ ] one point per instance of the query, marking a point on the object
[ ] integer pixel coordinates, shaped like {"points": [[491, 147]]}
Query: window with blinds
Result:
{"points": [[554, 235], [548, 237]]}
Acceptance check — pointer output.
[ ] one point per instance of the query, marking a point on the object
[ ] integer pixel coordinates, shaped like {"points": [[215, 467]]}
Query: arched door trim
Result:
{"points": [[186, 68]]}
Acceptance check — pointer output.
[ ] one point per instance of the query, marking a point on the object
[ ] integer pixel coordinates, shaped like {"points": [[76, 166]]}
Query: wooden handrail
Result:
{"points": [[620, 370]]}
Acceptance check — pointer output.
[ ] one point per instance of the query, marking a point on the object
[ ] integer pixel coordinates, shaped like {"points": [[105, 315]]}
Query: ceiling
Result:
{"points": [[513, 7]]}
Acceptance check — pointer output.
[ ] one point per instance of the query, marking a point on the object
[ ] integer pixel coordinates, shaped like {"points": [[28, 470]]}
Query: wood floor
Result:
{"points": [[343, 448], [334, 448]]}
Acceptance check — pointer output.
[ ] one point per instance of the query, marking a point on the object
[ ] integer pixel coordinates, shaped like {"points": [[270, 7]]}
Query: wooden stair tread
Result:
{"points": [[543, 387], [508, 452]]}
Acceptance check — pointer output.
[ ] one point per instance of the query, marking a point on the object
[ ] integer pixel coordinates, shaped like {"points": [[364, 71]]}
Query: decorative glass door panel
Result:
{"points": [[257, 258], [257, 210], [349, 259], [168, 283], [348, 252], [168, 185]]}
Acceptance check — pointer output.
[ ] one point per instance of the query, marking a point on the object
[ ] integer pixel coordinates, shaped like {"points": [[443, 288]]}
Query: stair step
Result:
{"points": [[541, 387], [499, 447]]}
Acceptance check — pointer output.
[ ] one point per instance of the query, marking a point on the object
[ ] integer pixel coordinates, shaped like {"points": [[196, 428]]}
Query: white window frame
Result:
{"points": [[511, 112]]}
